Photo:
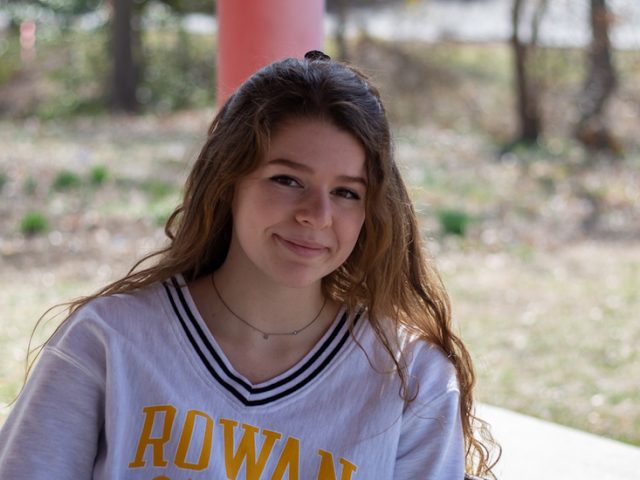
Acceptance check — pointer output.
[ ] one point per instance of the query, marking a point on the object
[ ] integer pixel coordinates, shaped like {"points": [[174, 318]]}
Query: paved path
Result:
{"points": [[535, 449], [565, 22]]}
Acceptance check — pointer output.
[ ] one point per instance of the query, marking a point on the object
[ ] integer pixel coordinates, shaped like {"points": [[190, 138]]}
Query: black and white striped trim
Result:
{"points": [[321, 357]]}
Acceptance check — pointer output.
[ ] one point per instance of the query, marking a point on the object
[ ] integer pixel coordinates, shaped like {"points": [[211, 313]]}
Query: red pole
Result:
{"points": [[254, 33]]}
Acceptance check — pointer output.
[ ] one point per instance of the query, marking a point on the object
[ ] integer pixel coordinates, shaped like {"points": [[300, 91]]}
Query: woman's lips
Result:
{"points": [[302, 248]]}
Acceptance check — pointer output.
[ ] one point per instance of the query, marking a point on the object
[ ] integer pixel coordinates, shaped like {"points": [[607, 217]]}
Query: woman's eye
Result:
{"points": [[285, 180], [347, 193]]}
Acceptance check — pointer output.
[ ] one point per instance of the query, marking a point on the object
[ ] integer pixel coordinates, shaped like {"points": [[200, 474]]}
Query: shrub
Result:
{"points": [[454, 221], [66, 180], [33, 223], [98, 175], [30, 186]]}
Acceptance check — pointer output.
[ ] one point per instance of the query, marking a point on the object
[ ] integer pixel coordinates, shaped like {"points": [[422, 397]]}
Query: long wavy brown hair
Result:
{"points": [[388, 271]]}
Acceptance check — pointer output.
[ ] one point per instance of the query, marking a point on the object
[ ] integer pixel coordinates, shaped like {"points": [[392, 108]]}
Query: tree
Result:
{"points": [[341, 9], [126, 58], [126, 44], [526, 84], [126, 50], [593, 129]]}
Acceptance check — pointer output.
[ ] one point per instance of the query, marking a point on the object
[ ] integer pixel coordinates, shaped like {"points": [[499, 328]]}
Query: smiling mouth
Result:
{"points": [[302, 249]]}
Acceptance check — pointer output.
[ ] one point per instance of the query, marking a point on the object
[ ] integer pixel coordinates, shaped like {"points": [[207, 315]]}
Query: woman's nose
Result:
{"points": [[315, 210]]}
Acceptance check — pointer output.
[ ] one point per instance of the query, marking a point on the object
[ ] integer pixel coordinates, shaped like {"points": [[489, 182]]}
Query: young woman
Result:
{"points": [[291, 329]]}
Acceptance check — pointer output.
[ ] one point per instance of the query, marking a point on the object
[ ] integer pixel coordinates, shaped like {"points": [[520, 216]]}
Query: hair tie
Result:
{"points": [[316, 55]]}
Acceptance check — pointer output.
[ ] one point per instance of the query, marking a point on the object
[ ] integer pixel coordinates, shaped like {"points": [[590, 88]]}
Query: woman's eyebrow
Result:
{"points": [[307, 169], [291, 164]]}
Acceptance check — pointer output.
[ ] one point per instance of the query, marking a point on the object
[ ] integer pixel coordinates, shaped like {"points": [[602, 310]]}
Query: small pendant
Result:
{"points": [[295, 332], [265, 336]]}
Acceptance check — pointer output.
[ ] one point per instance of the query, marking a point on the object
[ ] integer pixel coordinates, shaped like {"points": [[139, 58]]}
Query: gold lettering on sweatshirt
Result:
{"points": [[289, 459], [185, 441], [242, 444], [157, 443], [327, 471], [246, 450]]}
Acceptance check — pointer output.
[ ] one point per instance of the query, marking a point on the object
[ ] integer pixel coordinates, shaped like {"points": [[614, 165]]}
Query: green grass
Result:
{"points": [[555, 343], [10, 62], [157, 189], [148, 199]]}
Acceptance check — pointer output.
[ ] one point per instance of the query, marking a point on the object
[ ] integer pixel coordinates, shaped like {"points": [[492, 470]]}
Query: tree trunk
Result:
{"points": [[593, 129], [527, 87], [341, 30], [123, 91]]}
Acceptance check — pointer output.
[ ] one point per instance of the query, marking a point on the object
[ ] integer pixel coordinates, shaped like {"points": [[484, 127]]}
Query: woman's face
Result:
{"points": [[297, 217]]}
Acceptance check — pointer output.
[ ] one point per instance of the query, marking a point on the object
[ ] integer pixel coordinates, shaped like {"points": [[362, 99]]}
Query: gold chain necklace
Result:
{"points": [[264, 334]]}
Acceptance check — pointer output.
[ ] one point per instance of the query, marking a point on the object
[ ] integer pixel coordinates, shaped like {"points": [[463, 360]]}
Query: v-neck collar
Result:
{"points": [[220, 369]]}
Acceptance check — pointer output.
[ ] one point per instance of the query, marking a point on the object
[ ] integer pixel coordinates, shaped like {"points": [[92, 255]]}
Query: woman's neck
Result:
{"points": [[264, 304], [255, 351], [260, 297]]}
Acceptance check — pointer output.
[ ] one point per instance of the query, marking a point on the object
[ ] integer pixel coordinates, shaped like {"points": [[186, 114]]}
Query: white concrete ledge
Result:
{"points": [[535, 449]]}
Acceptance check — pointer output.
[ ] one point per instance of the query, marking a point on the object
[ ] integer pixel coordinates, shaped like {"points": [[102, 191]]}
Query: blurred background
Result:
{"points": [[517, 126]]}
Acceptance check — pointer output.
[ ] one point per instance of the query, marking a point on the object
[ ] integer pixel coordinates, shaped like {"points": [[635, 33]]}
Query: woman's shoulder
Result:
{"points": [[421, 352], [414, 349], [123, 314], [116, 307], [111, 326], [134, 302], [428, 368]]}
